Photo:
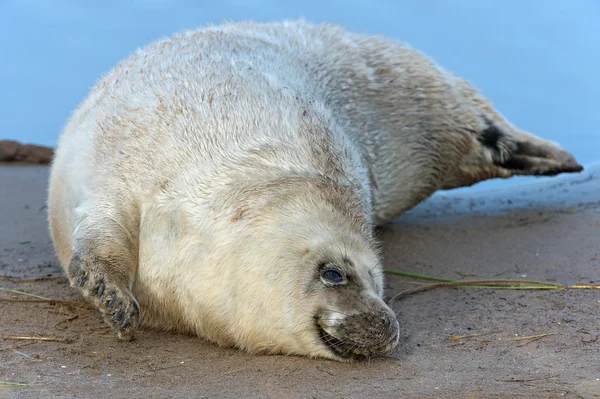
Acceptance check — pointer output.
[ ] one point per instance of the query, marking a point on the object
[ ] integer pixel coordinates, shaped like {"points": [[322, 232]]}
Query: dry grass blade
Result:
{"points": [[481, 284], [35, 338], [415, 275], [531, 338], [580, 286], [495, 285], [461, 337], [50, 301], [552, 377], [22, 293], [29, 280], [12, 384]]}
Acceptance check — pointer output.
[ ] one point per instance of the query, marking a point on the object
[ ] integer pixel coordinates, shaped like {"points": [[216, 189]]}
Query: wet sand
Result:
{"points": [[545, 231]]}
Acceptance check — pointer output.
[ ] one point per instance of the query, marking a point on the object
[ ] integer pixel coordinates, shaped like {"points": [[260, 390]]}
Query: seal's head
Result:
{"points": [[350, 318], [313, 284], [341, 314]]}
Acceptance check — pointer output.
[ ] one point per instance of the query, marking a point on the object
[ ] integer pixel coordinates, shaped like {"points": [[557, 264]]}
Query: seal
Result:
{"points": [[226, 182]]}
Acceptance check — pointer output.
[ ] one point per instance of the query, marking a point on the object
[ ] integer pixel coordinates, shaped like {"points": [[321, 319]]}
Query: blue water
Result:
{"points": [[539, 61]]}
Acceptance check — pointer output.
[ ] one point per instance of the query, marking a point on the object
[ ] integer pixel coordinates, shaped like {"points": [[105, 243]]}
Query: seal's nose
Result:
{"points": [[373, 332], [367, 333]]}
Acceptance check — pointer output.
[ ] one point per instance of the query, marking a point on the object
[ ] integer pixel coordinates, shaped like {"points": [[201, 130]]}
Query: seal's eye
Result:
{"points": [[331, 276]]}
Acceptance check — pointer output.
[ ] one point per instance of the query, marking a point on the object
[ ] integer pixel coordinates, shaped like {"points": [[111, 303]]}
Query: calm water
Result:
{"points": [[539, 61]]}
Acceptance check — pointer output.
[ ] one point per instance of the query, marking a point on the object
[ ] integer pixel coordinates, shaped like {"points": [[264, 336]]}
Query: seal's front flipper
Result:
{"points": [[97, 279], [103, 267]]}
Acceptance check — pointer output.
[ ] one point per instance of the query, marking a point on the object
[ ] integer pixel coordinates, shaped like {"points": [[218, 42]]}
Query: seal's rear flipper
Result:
{"points": [[535, 160], [524, 154], [502, 151]]}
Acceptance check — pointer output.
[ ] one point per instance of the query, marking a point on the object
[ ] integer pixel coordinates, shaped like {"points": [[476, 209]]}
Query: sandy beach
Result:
{"points": [[457, 343]]}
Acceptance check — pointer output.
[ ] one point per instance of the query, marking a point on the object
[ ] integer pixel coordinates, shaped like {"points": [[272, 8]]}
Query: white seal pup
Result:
{"points": [[226, 182]]}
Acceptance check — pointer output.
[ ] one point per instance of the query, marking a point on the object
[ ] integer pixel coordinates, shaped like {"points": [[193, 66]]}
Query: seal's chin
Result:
{"points": [[351, 350]]}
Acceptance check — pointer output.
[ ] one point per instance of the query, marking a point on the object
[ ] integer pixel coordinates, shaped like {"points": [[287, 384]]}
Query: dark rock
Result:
{"points": [[13, 151], [8, 150], [31, 153]]}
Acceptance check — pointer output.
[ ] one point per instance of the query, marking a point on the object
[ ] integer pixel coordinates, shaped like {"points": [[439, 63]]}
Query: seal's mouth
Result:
{"points": [[350, 349], [343, 349]]}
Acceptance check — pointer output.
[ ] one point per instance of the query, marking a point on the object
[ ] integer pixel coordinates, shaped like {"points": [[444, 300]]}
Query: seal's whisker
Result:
{"points": [[312, 323], [336, 311], [353, 348], [335, 342]]}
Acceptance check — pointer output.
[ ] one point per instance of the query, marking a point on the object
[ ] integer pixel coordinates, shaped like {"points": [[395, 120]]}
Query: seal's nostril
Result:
{"points": [[385, 319]]}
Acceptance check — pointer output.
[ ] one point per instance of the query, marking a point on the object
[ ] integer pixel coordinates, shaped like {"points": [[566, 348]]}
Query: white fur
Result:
{"points": [[199, 160]]}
